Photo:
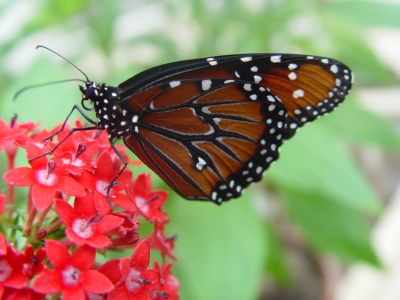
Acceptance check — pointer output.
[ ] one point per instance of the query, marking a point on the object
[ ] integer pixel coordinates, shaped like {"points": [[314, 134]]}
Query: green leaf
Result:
{"points": [[353, 49], [367, 13], [331, 226], [221, 250], [276, 261], [315, 160], [362, 126]]}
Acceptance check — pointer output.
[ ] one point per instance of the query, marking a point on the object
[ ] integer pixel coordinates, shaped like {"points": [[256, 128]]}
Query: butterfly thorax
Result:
{"points": [[107, 105]]}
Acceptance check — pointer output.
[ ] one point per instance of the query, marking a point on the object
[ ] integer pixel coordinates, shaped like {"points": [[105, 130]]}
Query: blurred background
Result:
{"points": [[325, 221]]}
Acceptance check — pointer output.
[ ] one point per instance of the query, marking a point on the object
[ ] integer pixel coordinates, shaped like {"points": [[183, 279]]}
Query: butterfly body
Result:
{"points": [[209, 127]]}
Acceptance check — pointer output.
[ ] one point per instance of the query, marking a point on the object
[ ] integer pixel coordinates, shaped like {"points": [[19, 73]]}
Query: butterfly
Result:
{"points": [[211, 126]]}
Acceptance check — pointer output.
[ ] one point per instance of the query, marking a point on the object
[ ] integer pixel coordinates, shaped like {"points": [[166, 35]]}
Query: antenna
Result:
{"points": [[40, 46], [43, 84]]}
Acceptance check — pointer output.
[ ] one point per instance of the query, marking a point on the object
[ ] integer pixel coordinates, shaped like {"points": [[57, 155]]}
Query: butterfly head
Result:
{"points": [[90, 92]]}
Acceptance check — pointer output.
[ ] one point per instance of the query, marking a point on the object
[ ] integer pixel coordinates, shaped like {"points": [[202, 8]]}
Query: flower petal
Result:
{"points": [[83, 258], [48, 282], [65, 211], [57, 254], [42, 196], [141, 256], [22, 176], [70, 186], [99, 241], [96, 282]]}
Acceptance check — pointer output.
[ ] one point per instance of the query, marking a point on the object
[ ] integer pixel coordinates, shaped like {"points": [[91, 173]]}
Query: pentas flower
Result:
{"points": [[72, 275], [149, 203], [169, 289], [7, 133], [99, 181], [85, 224], [159, 242], [44, 178], [33, 263], [126, 233], [131, 277], [99, 217], [11, 275], [73, 156]]}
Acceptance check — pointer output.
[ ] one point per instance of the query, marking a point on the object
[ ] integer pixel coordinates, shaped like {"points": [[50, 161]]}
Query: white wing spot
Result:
{"points": [[262, 89], [253, 97], [237, 74], [247, 87], [334, 68], [201, 163], [271, 107], [105, 117], [257, 78], [206, 84], [293, 125], [298, 94], [123, 123], [254, 69], [229, 81], [275, 58], [338, 82], [271, 98], [292, 66], [292, 76], [246, 58], [214, 196], [325, 60], [135, 118], [174, 83], [310, 57]]}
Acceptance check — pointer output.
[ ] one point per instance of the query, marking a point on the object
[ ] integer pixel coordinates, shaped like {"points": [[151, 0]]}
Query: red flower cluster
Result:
{"points": [[69, 218]]}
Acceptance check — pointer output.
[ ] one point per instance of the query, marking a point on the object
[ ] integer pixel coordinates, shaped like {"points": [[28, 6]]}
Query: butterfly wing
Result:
{"points": [[209, 127]]}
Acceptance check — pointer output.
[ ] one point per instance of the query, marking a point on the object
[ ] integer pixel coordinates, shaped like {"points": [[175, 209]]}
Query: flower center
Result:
{"points": [[71, 275], [82, 228], [5, 270], [46, 178], [133, 280], [102, 186]]}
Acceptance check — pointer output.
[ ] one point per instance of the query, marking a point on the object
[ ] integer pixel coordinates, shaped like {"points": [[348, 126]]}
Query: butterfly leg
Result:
{"points": [[71, 132], [114, 182]]}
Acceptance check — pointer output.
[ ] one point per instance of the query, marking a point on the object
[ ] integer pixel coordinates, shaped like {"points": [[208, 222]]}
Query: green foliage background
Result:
{"points": [[223, 251]]}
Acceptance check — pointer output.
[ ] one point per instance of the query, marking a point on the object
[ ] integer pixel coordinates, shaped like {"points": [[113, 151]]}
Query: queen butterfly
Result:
{"points": [[211, 126]]}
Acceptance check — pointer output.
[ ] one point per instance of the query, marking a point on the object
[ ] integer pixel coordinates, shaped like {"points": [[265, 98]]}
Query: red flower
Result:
{"points": [[72, 275], [2, 203], [7, 133], [158, 241], [131, 278], [105, 171], [75, 157], [147, 202], [127, 231], [85, 224], [171, 285], [11, 271], [32, 263], [44, 177]]}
